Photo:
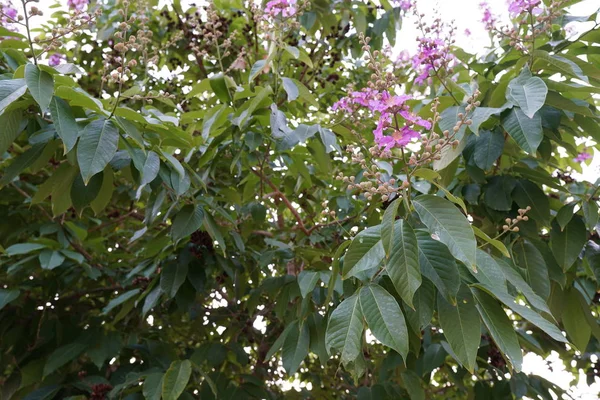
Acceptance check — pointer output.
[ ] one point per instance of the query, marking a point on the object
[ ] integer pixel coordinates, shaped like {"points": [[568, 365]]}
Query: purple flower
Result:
{"points": [[8, 16], [285, 8], [406, 5], [488, 19], [433, 54], [583, 156], [77, 5], [392, 113], [56, 59], [517, 7]]}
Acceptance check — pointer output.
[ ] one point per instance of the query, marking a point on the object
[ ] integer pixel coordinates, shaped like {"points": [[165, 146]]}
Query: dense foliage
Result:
{"points": [[209, 202]]}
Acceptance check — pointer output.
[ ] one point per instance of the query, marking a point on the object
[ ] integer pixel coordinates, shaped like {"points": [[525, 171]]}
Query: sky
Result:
{"points": [[466, 14]]}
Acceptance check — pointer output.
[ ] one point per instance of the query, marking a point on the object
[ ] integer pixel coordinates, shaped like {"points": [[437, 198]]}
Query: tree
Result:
{"points": [[206, 202]]}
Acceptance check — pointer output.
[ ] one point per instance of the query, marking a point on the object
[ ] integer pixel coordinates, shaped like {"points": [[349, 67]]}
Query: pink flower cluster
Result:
{"points": [[389, 108], [77, 5], [433, 54], [56, 59], [517, 7], [583, 156], [488, 19], [285, 8], [8, 15]]}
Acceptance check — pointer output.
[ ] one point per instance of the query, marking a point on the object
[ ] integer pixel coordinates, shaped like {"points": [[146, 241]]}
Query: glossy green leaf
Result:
{"points": [[528, 257], [488, 147], [187, 221], [176, 379], [567, 244], [525, 312], [152, 388], [307, 280], [452, 228], [10, 91], [384, 318], [527, 132], [528, 194], [50, 259], [364, 253], [403, 263], [574, 320], [97, 146], [438, 265], [64, 122], [63, 355], [528, 92], [345, 329], [172, 277], [500, 327], [40, 85], [462, 327], [295, 347], [387, 225]]}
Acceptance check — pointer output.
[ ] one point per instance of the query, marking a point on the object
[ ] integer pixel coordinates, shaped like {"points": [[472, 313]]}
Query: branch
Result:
{"points": [[285, 200]]}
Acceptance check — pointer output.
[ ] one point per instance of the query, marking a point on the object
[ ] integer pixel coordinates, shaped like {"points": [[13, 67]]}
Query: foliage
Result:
{"points": [[283, 191]]}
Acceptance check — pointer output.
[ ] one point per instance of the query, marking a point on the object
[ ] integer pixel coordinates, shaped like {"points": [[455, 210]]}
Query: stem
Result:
{"points": [[29, 32]]}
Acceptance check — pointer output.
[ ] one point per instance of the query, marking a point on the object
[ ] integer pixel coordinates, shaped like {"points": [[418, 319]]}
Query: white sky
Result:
{"points": [[466, 14]]}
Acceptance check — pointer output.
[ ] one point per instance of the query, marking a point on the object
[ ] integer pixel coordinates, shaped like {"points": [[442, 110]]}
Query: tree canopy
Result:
{"points": [[214, 201]]}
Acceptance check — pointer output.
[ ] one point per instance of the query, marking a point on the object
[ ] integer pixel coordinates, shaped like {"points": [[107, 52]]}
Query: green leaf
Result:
{"points": [[365, 252], [590, 213], [528, 92], [567, 244], [501, 247], [279, 342], [500, 327], [345, 328], [565, 214], [64, 122], [176, 379], [23, 248], [63, 355], [219, 87], [438, 265], [524, 312], [307, 280], [462, 327], [290, 88], [335, 271], [22, 162], [106, 190], [117, 301], [482, 114], [10, 91], [528, 194], [152, 388], [413, 385], [7, 296], [11, 128], [384, 318], [295, 347], [527, 256], [256, 69], [452, 228], [40, 84], [489, 272], [488, 147], [50, 259], [187, 221], [527, 132], [403, 264], [558, 64], [575, 321], [424, 302], [82, 195], [387, 225], [172, 277], [97, 146], [515, 279]]}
